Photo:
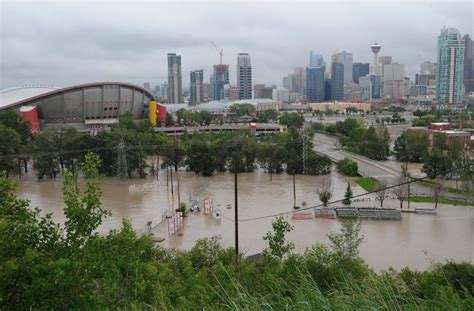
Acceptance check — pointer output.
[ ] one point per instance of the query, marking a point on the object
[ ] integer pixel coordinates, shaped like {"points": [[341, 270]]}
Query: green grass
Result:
{"points": [[368, 183], [421, 199], [431, 184]]}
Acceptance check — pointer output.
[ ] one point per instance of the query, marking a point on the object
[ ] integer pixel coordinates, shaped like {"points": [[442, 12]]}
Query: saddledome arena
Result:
{"points": [[86, 106]]}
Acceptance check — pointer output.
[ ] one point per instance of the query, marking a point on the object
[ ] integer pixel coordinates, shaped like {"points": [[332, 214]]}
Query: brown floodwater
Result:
{"points": [[416, 241]]}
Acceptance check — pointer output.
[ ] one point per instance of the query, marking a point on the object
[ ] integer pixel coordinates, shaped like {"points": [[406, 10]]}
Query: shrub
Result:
{"points": [[347, 167]]}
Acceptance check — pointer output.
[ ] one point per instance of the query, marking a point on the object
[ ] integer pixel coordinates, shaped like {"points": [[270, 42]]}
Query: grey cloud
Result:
{"points": [[72, 42]]}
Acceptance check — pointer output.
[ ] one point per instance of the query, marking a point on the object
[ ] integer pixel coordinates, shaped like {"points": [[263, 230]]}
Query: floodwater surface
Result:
{"points": [[415, 241]]}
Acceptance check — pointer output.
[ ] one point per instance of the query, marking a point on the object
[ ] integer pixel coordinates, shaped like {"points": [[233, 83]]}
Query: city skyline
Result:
{"points": [[42, 52]]}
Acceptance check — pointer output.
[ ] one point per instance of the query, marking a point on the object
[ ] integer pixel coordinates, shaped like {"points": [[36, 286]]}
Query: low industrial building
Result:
{"points": [[339, 107], [464, 136]]}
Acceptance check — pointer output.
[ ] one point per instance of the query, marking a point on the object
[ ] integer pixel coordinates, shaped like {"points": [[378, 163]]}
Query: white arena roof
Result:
{"points": [[15, 94]]}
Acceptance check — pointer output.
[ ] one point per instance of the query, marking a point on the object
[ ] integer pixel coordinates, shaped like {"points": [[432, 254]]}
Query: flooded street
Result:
{"points": [[416, 241]]}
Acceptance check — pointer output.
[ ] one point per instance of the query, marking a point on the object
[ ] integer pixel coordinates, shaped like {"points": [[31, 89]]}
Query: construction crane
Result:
{"points": [[221, 51]]}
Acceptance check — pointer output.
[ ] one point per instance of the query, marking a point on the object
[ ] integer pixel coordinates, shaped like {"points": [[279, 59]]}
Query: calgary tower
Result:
{"points": [[375, 49]]}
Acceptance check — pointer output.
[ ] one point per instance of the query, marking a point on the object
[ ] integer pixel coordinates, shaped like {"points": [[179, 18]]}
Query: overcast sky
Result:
{"points": [[64, 43]]}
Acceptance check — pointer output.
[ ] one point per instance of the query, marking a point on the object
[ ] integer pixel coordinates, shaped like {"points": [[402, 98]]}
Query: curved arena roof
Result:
{"points": [[80, 104], [21, 95], [16, 94]]}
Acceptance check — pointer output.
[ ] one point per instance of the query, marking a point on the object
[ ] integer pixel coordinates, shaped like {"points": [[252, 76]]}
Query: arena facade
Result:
{"points": [[85, 106]]}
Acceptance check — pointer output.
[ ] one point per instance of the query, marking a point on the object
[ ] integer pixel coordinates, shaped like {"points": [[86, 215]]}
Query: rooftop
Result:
{"points": [[15, 94]]}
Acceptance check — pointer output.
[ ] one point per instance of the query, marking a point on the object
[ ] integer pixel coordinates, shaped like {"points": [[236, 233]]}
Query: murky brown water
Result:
{"points": [[416, 241]]}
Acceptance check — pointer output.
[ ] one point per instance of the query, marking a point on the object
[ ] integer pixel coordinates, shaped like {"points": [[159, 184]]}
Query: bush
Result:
{"points": [[348, 167]]}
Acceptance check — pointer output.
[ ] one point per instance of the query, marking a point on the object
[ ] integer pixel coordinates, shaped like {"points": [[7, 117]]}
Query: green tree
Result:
{"points": [[11, 119], [439, 141], [84, 212], [10, 146], [201, 157], [271, 157], [411, 146], [202, 117], [45, 154], [347, 195], [317, 164], [345, 127], [325, 191], [346, 243], [169, 119], [436, 164], [292, 119], [243, 109], [348, 167], [184, 116], [267, 115], [278, 246]]}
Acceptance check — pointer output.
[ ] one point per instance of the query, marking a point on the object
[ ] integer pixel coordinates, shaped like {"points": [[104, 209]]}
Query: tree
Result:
{"points": [[271, 156], [267, 115], [45, 154], [243, 109], [456, 155], [201, 157], [202, 117], [317, 164], [325, 191], [401, 190], [292, 119], [11, 119], [184, 116], [84, 212], [346, 243], [345, 127], [10, 146], [419, 113], [438, 187], [436, 164], [382, 192], [467, 174], [348, 167], [278, 247], [347, 195], [411, 146], [439, 141], [169, 119]]}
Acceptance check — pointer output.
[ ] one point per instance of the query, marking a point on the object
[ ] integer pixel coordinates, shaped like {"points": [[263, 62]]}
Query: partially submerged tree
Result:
{"points": [[401, 190], [438, 187], [382, 191], [347, 195], [325, 191]]}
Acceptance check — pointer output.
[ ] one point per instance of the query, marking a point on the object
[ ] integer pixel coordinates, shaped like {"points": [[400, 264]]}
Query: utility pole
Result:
{"points": [[294, 190], [236, 203]]}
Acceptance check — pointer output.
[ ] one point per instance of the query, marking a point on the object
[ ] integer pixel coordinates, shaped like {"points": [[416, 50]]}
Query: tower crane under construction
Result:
{"points": [[220, 51]]}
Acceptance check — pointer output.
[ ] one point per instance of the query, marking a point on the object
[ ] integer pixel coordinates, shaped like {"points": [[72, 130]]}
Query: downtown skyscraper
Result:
{"points": [[197, 87], [244, 76], [175, 88], [468, 63], [359, 70], [316, 59], [315, 88], [344, 57], [337, 81], [220, 78], [450, 71]]}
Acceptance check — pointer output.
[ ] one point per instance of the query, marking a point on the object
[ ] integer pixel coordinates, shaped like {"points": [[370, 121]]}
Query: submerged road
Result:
{"points": [[381, 170]]}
